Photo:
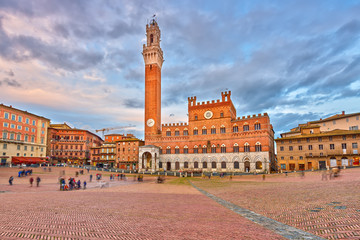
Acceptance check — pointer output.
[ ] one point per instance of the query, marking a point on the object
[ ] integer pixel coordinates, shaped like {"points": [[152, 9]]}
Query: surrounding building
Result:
{"points": [[128, 152], [23, 136], [71, 145], [321, 144], [118, 150], [213, 139]]}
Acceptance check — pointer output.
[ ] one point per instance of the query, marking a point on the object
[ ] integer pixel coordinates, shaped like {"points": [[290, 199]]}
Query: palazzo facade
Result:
{"points": [[213, 139]]}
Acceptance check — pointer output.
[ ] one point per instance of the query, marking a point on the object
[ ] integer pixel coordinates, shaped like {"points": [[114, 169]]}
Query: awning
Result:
{"points": [[28, 160]]}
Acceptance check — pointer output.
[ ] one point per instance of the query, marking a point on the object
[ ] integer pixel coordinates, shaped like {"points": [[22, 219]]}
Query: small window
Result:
{"points": [[258, 165], [204, 149], [320, 139], [283, 166], [235, 129], [257, 126], [281, 148], [258, 147], [246, 148], [177, 150], [204, 164], [344, 137], [330, 138], [213, 130], [213, 164], [291, 157], [343, 145], [354, 145], [196, 150], [177, 133], [196, 164], [290, 148], [301, 157], [223, 148], [213, 149], [204, 131], [168, 133], [332, 146], [246, 128], [222, 130], [221, 114], [300, 148], [196, 117], [186, 132], [195, 132], [186, 150], [310, 147], [168, 150], [321, 147], [236, 149], [236, 165]]}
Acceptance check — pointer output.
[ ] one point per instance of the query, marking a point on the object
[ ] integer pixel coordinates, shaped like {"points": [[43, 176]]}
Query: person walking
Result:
{"points": [[38, 181], [84, 185], [31, 180], [11, 179], [90, 177]]}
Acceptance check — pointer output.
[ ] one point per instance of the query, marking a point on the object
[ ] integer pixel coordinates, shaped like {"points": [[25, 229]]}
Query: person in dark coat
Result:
{"points": [[38, 181]]}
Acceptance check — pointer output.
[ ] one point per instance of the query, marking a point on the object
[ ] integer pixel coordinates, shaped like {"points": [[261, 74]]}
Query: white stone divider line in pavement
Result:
{"points": [[275, 226]]}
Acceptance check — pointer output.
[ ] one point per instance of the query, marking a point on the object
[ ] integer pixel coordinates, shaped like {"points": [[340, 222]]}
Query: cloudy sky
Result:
{"points": [[80, 61]]}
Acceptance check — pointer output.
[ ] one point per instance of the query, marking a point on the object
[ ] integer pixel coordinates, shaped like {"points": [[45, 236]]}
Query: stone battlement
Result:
{"points": [[225, 97], [174, 124], [252, 116]]}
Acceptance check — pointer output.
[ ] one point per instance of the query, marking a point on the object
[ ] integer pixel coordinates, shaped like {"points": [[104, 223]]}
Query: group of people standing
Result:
{"points": [[72, 184], [31, 180], [24, 173]]}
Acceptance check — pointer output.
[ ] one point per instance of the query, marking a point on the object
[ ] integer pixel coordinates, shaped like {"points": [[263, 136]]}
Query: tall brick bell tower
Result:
{"points": [[153, 58]]}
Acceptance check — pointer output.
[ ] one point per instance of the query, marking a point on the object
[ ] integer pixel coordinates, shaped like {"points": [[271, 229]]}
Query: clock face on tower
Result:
{"points": [[150, 122], [208, 114]]}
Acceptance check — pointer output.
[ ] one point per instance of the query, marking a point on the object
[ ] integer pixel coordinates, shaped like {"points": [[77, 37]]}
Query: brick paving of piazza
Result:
{"points": [[176, 210], [327, 208]]}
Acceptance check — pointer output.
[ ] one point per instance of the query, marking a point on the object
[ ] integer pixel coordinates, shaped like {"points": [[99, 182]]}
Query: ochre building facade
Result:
{"points": [[22, 134], [118, 151], [213, 139], [71, 145], [320, 144]]}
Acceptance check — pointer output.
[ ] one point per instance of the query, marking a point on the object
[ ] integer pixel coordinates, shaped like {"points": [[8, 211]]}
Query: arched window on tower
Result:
{"points": [[222, 129], [196, 150], [168, 150], [246, 147], [204, 149], [186, 149], [236, 147], [258, 147], [168, 132], [204, 130], [213, 148], [195, 131], [235, 128], [257, 126], [151, 38], [223, 148], [213, 130]]}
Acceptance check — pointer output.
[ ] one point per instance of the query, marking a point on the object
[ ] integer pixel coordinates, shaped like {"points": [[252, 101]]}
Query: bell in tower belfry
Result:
{"points": [[153, 58]]}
